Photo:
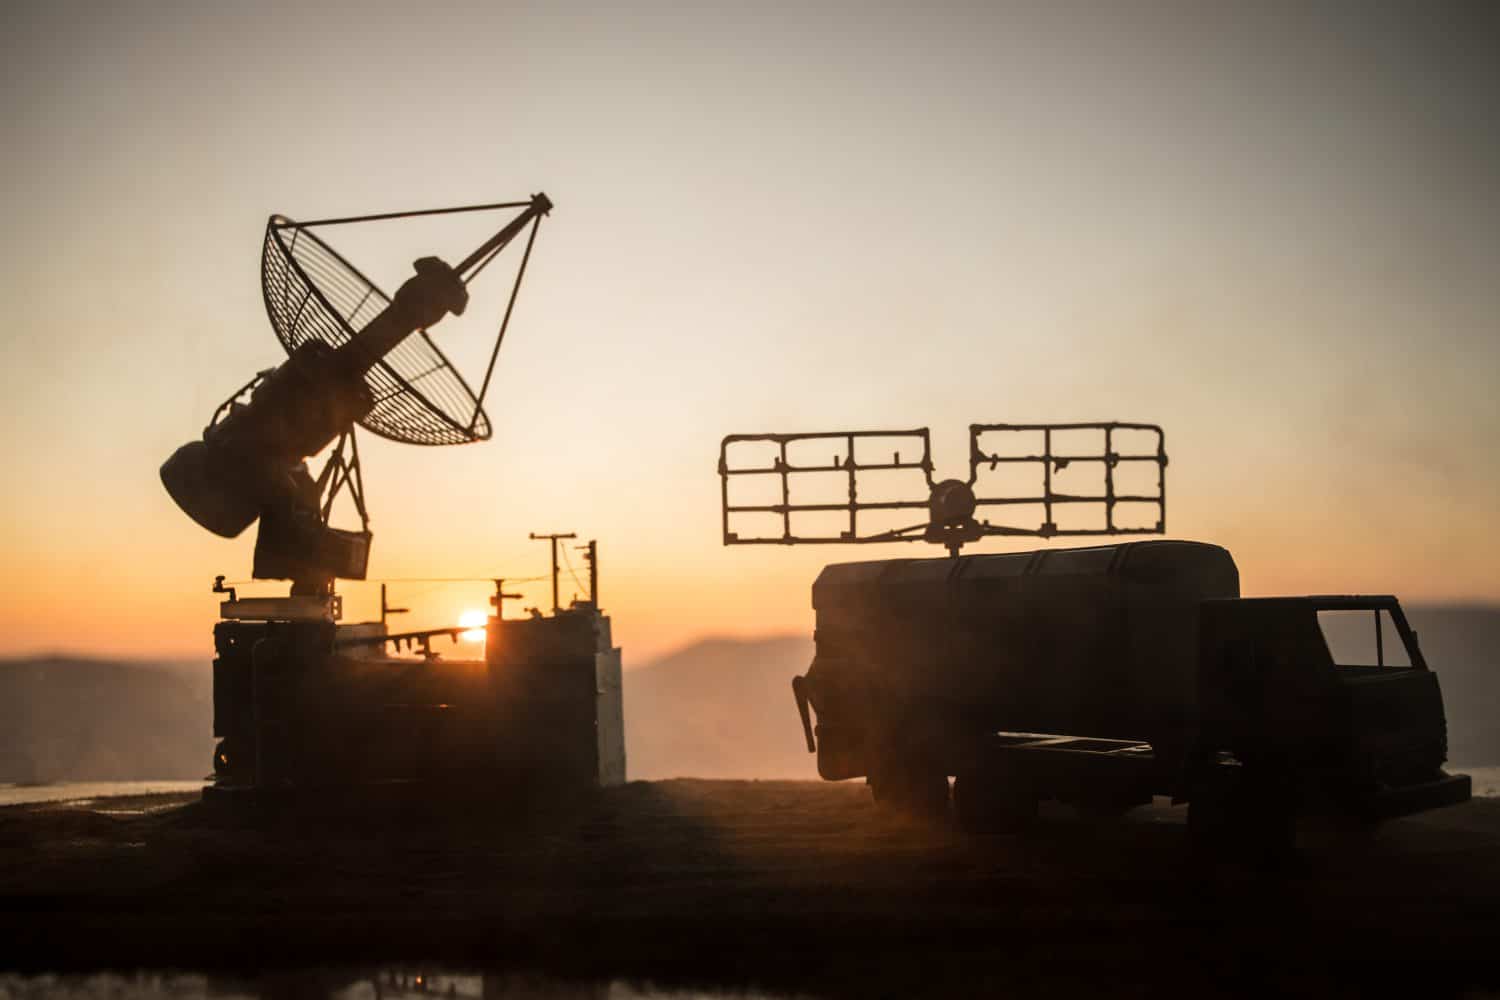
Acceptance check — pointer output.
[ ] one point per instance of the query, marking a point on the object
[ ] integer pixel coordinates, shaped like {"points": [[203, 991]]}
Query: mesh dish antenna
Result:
{"points": [[355, 355], [312, 293]]}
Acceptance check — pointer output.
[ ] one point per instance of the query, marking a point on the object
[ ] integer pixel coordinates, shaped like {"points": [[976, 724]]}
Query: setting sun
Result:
{"points": [[474, 621]]}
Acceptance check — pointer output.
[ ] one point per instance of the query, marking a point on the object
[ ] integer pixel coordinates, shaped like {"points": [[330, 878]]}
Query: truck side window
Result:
{"points": [[1365, 638]]}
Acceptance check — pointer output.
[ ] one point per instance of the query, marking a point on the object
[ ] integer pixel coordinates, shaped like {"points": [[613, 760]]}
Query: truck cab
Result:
{"points": [[1330, 694]]}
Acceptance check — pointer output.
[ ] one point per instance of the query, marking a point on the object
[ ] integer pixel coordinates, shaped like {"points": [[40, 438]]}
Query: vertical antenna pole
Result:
{"points": [[553, 538], [500, 597], [786, 493], [554, 574], [853, 486], [593, 556], [1109, 478], [386, 610], [1047, 524]]}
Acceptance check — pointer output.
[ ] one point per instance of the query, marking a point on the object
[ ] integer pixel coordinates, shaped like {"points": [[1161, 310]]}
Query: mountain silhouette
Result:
{"points": [[719, 708]]}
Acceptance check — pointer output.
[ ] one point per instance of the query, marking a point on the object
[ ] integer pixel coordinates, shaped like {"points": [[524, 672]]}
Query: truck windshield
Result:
{"points": [[1365, 638]]}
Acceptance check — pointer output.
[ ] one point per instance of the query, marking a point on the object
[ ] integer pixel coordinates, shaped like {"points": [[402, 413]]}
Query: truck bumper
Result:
{"points": [[1403, 800], [841, 753]]}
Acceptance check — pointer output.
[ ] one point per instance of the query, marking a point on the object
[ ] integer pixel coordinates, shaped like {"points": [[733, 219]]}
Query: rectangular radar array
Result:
{"points": [[1037, 480]]}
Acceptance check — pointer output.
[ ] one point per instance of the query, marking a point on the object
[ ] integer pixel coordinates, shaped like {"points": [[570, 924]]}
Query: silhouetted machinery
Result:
{"points": [[1097, 676], [300, 699]]}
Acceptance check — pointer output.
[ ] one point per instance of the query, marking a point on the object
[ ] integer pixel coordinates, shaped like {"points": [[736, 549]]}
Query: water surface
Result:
{"points": [[332, 984], [71, 791]]}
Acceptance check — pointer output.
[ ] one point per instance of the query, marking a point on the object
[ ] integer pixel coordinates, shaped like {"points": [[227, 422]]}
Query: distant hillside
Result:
{"points": [[64, 718], [719, 708], [1463, 645]]}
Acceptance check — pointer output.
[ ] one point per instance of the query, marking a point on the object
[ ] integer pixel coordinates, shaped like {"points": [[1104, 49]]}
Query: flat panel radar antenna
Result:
{"points": [[355, 355], [827, 487]]}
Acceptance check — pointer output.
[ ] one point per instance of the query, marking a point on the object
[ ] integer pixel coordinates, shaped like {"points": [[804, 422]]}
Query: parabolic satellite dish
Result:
{"points": [[312, 293], [354, 355]]}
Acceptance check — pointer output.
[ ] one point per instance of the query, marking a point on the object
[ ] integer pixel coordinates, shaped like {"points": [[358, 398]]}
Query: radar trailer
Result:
{"points": [[304, 703], [1099, 676]]}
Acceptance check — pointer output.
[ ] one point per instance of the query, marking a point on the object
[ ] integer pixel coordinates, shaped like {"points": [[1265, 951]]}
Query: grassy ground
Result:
{"points": [[782, 885]]}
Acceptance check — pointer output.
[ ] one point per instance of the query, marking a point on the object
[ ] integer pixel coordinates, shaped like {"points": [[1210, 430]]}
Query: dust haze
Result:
{"points": [[717, 708]]}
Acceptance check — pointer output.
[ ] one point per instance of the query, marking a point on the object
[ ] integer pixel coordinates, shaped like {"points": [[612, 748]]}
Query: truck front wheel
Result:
{"points": [[1244, 813], [911, 790]]}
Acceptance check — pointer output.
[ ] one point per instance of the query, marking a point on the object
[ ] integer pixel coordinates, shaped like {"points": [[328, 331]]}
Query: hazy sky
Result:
{"points": [[1269, 228]]}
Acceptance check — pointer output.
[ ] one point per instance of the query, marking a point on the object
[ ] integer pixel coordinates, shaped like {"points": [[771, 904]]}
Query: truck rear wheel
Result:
{"points": [[1212, 808], [1104, 809], [988, 803]]}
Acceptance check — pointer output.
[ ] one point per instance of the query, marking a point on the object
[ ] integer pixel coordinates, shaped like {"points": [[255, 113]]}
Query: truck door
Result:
{"points": [[1396, 733]]}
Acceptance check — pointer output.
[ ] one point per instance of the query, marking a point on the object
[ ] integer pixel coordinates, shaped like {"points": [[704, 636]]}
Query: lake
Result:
{"points": [[73, 791]]}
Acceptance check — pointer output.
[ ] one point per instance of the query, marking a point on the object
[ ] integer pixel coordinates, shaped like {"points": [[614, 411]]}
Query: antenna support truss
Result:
{"points": [[1079, 468], [295, 539]]}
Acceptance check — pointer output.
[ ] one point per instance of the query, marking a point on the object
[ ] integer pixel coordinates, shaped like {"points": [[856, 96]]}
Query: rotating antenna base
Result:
{"points": [[950, 515], [296, 545]]}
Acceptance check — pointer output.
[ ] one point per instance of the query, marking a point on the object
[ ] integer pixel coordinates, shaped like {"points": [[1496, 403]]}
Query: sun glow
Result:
{"points": [[474, 621]]}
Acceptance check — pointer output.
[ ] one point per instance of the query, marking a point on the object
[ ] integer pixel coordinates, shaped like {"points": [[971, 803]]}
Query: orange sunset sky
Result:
{"points": [[1271, 230]]}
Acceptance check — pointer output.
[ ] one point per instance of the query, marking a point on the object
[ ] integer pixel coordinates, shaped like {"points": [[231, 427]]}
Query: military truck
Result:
{"points": [[1100, 676], [1107, 675]]}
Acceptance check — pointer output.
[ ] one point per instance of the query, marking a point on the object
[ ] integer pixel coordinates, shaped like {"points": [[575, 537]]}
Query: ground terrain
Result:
{"points": [[792, 886]]}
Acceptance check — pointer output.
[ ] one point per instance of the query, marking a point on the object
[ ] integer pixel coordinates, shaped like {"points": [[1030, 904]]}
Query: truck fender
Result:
{"points": [[799, 692]]}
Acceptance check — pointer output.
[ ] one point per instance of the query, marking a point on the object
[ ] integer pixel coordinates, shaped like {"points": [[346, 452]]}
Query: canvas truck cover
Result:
{"points": [[1099, 641]]}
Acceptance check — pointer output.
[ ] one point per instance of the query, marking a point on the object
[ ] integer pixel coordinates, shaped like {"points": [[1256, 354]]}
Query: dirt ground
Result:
{"points": [[785, 886]]}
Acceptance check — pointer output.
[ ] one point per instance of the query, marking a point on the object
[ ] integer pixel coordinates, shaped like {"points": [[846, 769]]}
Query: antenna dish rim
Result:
{"points": [[453, 431]]}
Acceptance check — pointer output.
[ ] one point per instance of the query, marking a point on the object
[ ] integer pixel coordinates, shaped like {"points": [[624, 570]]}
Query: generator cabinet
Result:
{"points": [[309, 705]]}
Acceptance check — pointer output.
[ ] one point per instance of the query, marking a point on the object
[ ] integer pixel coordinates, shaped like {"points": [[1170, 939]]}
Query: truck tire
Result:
{"points": [[1100, 809], [1243, 814], [1271, 823], [913, 791], [1212, 811], [987, 803]]}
